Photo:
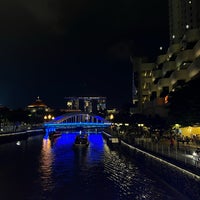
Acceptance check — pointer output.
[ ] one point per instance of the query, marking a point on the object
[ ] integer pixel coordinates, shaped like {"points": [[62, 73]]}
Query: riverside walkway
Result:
{"points": [[175, 165], [11, 133], [181, 154]]}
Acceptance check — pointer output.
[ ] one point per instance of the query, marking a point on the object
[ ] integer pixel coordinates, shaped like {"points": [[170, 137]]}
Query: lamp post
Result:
{"points": [[140, 128], [48, 117], [177, 132]]}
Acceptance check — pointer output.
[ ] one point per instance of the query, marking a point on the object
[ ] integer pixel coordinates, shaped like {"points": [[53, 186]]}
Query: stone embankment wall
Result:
{"points": [[184, 181]]}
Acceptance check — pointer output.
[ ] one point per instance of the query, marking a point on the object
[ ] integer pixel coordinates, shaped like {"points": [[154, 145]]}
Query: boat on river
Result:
{"points": [[81, 140]]}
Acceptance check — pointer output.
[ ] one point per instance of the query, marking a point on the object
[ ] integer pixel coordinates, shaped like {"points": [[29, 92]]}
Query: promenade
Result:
{"points": [[11, 133], [180, 154]]}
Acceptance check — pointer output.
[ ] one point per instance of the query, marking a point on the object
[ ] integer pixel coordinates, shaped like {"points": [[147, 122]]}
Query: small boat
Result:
{"points": [[81, 140], [54, 134]]}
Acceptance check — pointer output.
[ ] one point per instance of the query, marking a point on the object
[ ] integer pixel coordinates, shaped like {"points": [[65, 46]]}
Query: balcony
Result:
{"points": [[164, 82], [147, 66], [174, 48], [197, 49], [194, 68], [192, 35], [184, 56], [168, 66], [147, 79], [145, 92], [157, 73], [178, 75], [161, 59], [179, 84], [154, 88]]}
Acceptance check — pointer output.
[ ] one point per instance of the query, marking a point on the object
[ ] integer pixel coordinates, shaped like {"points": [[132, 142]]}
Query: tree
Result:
{"points": [[184, 107], [18, 115]]}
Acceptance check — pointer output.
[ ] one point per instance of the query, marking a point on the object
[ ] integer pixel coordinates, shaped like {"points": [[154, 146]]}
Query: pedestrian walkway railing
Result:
{"points": [[12, 128], [179, 151], [163, 161]]}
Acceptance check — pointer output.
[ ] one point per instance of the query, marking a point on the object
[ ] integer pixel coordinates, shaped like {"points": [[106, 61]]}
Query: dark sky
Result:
{"points": [[58, 48]]}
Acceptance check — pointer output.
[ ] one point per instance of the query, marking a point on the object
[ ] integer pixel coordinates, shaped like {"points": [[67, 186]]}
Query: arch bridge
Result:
{"points": [[77, 120]]}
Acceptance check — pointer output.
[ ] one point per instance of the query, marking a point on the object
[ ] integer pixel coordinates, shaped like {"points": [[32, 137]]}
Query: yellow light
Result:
{"points": [[45, 117], [69, 103], [111, 116], [166, 99], [49, 116]]}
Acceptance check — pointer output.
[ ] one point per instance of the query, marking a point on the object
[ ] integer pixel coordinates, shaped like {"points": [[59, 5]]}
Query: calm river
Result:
{"points": [[38, 169]]}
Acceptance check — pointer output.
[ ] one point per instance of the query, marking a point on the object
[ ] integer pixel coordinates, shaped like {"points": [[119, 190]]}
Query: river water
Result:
{"points": [[37, 169]]}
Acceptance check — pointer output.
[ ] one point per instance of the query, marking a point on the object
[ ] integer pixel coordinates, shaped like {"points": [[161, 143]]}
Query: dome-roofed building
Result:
{"points": [[38, 104], [39, 110]]}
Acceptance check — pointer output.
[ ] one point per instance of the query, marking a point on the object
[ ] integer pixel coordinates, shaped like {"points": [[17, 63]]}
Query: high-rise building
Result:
{"points": [[86, 104], [72, 103], [172, 70], [183, 15]]}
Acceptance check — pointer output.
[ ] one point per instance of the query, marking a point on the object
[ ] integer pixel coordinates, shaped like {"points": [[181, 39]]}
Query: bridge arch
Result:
{"points": [[84, 120]]}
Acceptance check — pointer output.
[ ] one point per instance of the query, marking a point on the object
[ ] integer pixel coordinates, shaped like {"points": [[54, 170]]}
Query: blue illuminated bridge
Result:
{"points": [[76, 121]]}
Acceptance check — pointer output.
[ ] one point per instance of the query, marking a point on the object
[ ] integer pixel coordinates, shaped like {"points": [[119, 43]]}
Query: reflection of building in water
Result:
{"points": [[86, 104]]}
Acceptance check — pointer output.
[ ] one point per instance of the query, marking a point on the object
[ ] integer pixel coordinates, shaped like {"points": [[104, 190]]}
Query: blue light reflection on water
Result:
{"points": [[56, 170], [71, 169]]}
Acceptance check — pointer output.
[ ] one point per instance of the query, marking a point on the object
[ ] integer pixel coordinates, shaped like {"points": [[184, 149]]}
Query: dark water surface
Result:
{"points": [[38, 169]]}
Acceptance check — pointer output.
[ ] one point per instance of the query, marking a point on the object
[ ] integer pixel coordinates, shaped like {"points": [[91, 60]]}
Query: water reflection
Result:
{"points": [[125, 176], [46, 165], [43, 169]]}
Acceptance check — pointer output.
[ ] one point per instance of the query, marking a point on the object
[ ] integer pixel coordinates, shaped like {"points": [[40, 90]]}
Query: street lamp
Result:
{"points": [[177, 133], [140, 127], [49, 117]]}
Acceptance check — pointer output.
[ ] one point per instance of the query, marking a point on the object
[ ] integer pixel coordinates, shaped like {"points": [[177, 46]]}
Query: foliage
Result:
{"points": [[184, 107], [18, 115]]}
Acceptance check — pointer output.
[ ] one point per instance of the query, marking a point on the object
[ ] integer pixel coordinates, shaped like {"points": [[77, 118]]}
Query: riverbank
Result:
{"points": [[20, 135], [177, 177], [176, 173]]}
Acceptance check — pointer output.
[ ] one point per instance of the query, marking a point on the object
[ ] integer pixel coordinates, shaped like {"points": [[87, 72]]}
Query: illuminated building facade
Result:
{"points": [[173, 69], [86, 104], [39, 110]]}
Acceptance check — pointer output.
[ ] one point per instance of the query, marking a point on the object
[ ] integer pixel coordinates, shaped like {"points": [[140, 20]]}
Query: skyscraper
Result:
{"points": [[183, 15], [86, 104]]}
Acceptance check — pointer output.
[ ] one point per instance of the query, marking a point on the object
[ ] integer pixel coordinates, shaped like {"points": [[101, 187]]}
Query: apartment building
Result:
{"points": [[154, 81]]}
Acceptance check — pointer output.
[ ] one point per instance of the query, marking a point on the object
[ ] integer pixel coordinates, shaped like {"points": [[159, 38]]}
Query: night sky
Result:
{"points": [[58, 48]]}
